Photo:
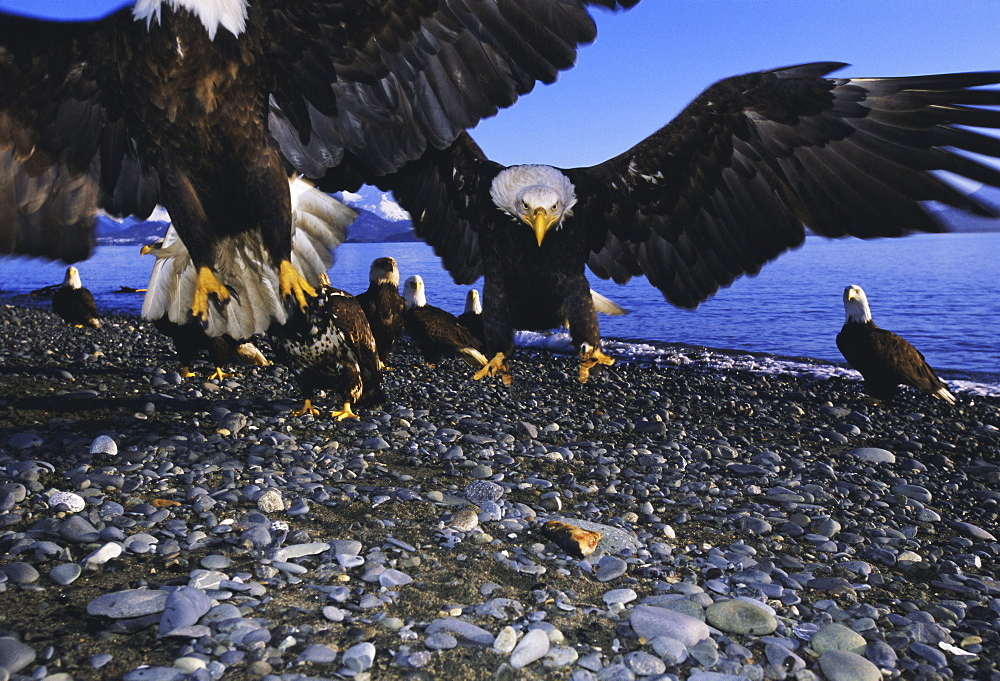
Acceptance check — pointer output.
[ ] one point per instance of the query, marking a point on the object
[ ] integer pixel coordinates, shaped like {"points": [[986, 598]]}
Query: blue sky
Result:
{"points": [[650, 61]]}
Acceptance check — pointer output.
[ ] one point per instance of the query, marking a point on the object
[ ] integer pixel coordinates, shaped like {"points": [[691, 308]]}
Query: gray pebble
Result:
{"points": [[466, 633], [183, 608], [534, 645], [649, 622], [481, 491], [359, 658], [610, 567], [127, 604], [841, 665], [103, 444], [66, 573], [14, 655]]}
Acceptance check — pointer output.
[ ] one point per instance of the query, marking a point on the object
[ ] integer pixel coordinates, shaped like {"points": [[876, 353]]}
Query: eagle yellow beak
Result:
{"points": [[852, 294], [540, 220], [145, 250]]}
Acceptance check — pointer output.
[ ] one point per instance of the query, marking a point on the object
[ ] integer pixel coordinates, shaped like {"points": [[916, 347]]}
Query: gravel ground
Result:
{"points": [[751, 527]]}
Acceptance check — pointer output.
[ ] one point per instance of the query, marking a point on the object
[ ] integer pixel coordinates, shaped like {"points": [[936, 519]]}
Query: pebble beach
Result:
{"points": [[740, 526]]}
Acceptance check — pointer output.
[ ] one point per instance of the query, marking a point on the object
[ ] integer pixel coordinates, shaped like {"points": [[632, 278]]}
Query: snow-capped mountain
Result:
{"points": [[380, 218]]}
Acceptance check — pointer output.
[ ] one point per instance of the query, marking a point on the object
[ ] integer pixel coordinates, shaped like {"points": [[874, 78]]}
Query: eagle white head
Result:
{"points": [[229, 14], [72, 278], [540, 196], [472, 304], [413, 292], [856, 305], [384, 271]]}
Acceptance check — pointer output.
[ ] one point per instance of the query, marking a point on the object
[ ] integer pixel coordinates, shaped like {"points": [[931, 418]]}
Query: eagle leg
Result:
{"points": [[207, 285], [495, 366], [294, 284], [307, 408], [344, 413], [220, 374], [591, 357]]}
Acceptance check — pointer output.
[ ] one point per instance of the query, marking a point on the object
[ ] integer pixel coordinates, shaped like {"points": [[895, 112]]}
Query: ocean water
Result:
{"points": [[941, 292]]}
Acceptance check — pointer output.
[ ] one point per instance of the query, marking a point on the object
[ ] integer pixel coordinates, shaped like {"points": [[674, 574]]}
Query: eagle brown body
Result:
{"points": [[74, 303], [884, 359], [383, 305], [437, 332]]}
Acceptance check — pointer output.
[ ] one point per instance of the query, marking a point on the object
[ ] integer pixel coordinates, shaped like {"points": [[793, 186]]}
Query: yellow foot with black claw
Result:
{"points": [[207, 285], [219, 374], [591, 357], [186, 372], [344, 413], [294, 284], [495, 367], [307, 408]]}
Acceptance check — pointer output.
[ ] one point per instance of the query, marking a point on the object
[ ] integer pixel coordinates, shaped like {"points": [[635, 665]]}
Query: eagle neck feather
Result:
{"points": [[228, 14]]}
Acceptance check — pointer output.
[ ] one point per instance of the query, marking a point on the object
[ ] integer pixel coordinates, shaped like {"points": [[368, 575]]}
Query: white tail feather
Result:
{"points": [[606, 306], [473, 357], [946, 395], [319, 225]]}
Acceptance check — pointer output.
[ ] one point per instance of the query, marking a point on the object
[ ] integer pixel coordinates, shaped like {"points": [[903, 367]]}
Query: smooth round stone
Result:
{"points": [[14, 655], [271, 501], [78, 529], [183, 608], [505, 641], [533, 646], [481, 472], [20, 573], [610, 567], [333, 613], [649, 621], [619, 596], [127, 604], [974, 531], [64, 574], [392, 578], [74, 502], [440, 640], [881, 654], [359, 658], [215, 561], [103, 444], [560, 656], [741, 617], [190, 664], [482, 491], [317, 654], [109, 551], [465, 520], [22, 441], [466, 633], [921, 494], [842, 665], [838, 637], [873, 455], [670, 650], [644, 664]]}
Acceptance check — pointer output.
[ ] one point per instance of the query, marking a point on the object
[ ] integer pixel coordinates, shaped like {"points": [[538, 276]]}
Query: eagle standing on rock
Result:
{"points": [[330, 346], [202, 105], [884, 359], [383, 305], [74, 303], [437, 332], [725, 187]]}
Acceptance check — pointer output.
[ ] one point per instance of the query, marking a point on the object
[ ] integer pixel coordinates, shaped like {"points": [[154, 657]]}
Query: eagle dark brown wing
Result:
{"points": [[736, 178]]}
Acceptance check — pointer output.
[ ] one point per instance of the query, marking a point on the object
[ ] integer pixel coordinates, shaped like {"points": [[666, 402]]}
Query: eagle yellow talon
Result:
{"points": [[307, 408], [344, 413], [206, 285], [186, 372], [220, 374], [495, 366], [591, 357], [294, 284]]}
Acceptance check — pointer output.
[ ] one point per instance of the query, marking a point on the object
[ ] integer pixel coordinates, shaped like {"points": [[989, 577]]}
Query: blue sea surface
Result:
{"points": [[939, 291]]}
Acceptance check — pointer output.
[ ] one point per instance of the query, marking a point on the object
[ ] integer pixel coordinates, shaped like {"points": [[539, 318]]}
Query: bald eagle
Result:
{"points": [[437, 332], [727, 186], [472, 316], [203, 105], [74, 303], [330, 346], [383, 305], [884, 359]]}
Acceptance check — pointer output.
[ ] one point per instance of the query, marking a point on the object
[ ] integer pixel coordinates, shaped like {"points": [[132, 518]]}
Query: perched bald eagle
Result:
{"points": [[203, 105], [472, 316], [725, 187], [383, 305], [884, 359], [437, 332], [74, 303], [330, 346]]}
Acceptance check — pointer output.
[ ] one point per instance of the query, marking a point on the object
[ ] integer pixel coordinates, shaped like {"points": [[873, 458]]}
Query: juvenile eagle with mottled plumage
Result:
{"points": [[329, 346], [728, 185], [203, 106], [884, 359]]}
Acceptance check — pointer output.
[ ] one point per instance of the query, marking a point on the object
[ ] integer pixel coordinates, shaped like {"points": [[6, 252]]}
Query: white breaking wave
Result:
{"points": [[707, 358]]}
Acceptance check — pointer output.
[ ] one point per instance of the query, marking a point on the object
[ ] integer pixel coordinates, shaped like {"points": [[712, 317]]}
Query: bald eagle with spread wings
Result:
{"points": [[727, 186], [204, 106]]}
